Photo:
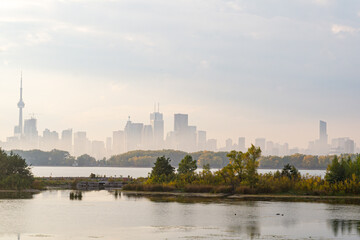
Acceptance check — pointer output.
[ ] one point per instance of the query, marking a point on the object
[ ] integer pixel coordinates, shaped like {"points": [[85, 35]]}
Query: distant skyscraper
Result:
{"points": [[260, 142], [157, 123], [31, 136], [118, 142], [229, 144], [181, 122], [67, 140], [147, 137], [18, 131], [211, 145], [185, 135], [201, 135], [98, 149], [323, 137], [80, 143], [30, 128], [241, 144], [133, 134], [50, 140]]}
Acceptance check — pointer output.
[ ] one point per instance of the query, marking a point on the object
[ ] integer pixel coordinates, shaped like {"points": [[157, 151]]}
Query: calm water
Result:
{"points": [[116, 171], [101, 215]]}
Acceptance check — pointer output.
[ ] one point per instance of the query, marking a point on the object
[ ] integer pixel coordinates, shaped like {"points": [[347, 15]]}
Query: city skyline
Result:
{"points": [[223, 77], [142, 136]]}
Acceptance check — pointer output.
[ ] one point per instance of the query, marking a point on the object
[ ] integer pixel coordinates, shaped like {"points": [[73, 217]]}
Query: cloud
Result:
{"points": [[337, 29], [37, 38], [233, 5], [322, 2], [6, 47]]}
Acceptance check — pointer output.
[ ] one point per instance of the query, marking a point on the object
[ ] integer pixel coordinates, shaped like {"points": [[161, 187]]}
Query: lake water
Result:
{"points": [[117, 171], [51, 215]]}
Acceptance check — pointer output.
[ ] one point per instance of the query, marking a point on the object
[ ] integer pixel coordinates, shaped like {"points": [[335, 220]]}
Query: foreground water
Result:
{"points": [[124, 172], [102, 215]]}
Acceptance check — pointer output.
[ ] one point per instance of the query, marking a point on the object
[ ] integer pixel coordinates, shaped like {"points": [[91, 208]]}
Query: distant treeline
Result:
{"points": [[148, 158], [142, 158]]}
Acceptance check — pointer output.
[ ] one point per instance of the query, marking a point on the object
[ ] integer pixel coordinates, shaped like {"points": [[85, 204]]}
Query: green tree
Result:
{"points": [[86, 160], [187, 165], [251, 164], [237, 165], [290, 172], [162, 170], [335, 171], [14, 172]]}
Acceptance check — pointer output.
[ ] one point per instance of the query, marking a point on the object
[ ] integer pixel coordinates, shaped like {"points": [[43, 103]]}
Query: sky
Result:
{"points": [[259, 68]]}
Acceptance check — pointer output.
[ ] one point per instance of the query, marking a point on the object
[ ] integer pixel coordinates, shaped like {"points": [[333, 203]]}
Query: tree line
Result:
{"points": [[142, 158]]}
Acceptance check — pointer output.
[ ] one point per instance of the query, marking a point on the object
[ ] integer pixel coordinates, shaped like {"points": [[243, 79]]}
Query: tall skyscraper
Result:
{"points": [[67, 140], [181, 122], [31, 136], [98, 150], [201, 140], [229, 144], [323, 137], [118, 142], [147, 137], [133, 135], [50, 140], [241, 144], [18, 131], [80, 143], [260, 142], [157, 123]]}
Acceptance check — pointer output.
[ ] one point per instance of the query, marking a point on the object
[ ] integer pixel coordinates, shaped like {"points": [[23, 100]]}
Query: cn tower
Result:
{"points": [[21, 105]]}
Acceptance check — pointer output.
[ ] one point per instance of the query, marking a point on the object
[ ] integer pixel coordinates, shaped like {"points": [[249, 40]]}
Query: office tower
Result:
{"points": [[170, 142], [118, 142], [147, 137], [157, 123], [211, 145], [260, 142], [321, 146], [18, 131], [201, 140], [108, 146], [323, 137], [181, 131], [133, 134], [180, 122], [31, 134], [229, 144], [67, 140], [342, 145], [241, 144], [349, 146], [80, 143], [270, 149], [284, 150], [190, 145], [50, 140], [98, 150], [30, 129]]}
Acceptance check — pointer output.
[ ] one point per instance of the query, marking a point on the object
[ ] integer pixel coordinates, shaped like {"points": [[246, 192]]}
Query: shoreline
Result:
{"points": [[247, 197]]}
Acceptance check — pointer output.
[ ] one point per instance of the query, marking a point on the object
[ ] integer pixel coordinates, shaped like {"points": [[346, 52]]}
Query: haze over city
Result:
{"points": [[269, 70]]}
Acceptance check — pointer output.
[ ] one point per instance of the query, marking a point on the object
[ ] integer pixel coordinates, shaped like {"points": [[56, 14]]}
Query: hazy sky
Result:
{"points": [[254, 68]]}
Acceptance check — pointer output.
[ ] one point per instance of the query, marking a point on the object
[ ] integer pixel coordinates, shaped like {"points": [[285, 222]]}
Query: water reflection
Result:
{"points": [[16, 195], [345, 227], [109, 214]]}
